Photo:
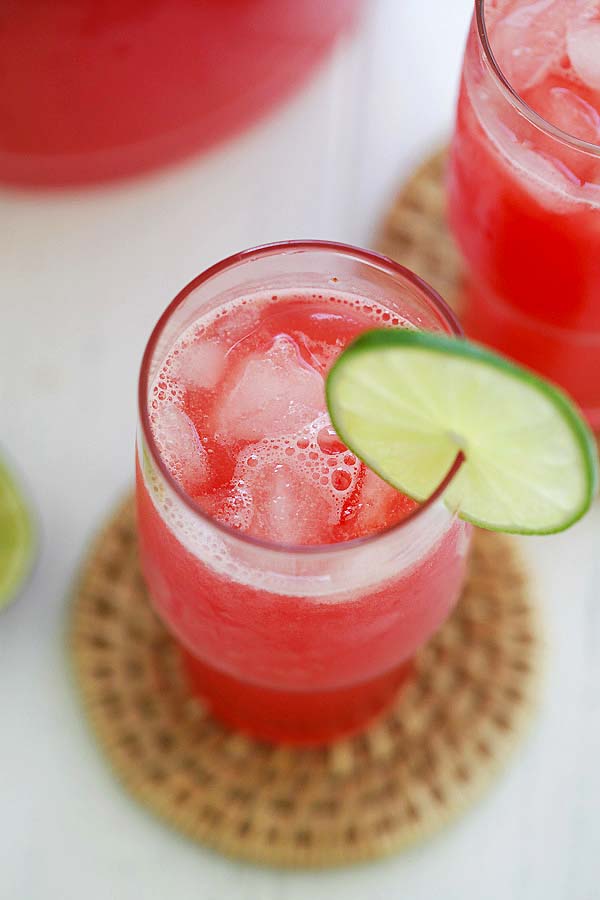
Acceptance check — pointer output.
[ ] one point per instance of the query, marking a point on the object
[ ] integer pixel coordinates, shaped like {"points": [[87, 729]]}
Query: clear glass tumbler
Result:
{"points": [[524, 206], [294, 643]]}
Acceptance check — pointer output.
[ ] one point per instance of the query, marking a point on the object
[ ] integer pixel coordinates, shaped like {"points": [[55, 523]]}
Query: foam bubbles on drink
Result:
{"points": [[180, 446], [298, 487], [233, 507], [251, 393], [329, 442]]}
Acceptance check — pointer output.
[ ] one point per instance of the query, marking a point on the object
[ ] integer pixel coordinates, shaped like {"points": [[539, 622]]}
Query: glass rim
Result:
{"points": [[261, 251], [513, 96]]}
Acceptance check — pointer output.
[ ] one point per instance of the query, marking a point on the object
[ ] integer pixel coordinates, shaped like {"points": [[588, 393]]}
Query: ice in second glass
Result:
{"points": [[524, 187], [299, 583]]}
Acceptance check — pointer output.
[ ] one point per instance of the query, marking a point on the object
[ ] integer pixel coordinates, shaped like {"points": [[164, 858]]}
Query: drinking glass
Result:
{"points": [[294, 643], [524, 206]]}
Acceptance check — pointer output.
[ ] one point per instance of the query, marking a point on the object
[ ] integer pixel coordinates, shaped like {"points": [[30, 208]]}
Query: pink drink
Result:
{"points": [[298, 582], [93, 90], [524, 187]]}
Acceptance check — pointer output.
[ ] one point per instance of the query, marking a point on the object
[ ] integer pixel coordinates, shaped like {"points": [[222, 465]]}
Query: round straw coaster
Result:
{"points": [[423, 763], [415, 232]]}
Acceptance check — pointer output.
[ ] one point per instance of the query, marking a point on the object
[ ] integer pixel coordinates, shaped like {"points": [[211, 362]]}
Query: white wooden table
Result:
{"points": [[83, 277]]}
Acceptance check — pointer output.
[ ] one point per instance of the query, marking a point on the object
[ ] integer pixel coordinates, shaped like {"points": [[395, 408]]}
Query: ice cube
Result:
{"points": [[297, 491], [583, 47], [274, 393], [571, 113], [288, 506], [367, 510], [541, 174], [530, 40], [375, 505], [375, 498], [239, 320], [234, 506], [199, 365], [180, 446]]}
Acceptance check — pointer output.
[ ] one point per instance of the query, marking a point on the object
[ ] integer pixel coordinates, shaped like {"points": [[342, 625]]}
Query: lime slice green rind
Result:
{"points": [[407, 402], [17, 542]]}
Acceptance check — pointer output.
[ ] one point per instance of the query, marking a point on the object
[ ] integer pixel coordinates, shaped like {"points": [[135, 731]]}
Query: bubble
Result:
{"points": [[341, 479], [329, 442], [236, 507], [180, 446]]}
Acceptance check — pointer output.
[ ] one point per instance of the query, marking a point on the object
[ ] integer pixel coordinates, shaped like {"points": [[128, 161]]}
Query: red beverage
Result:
{"points": [[524, 187], [91, 91], [299, 583]]}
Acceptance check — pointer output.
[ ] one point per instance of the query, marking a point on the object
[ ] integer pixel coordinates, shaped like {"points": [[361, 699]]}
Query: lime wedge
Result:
{"points": [[406, 402], [16, 538]]}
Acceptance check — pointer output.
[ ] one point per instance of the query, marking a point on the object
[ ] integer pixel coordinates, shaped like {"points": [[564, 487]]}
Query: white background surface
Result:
{"points": [[83, 278]]}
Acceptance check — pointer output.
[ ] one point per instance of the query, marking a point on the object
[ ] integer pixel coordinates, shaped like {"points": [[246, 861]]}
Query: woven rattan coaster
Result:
{"points": [[415, 232], [431, 755]]}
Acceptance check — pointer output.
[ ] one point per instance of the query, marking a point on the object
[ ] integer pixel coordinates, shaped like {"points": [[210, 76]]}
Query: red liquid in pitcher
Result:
{"points": [[96, 90]]}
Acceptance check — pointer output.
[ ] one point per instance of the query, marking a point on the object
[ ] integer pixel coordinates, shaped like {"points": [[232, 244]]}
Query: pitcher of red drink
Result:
{"points": [[91, 91]]}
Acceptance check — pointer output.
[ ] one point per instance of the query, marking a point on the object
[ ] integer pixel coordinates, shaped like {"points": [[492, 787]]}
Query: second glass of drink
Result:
{"points": [[524, 187]]}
